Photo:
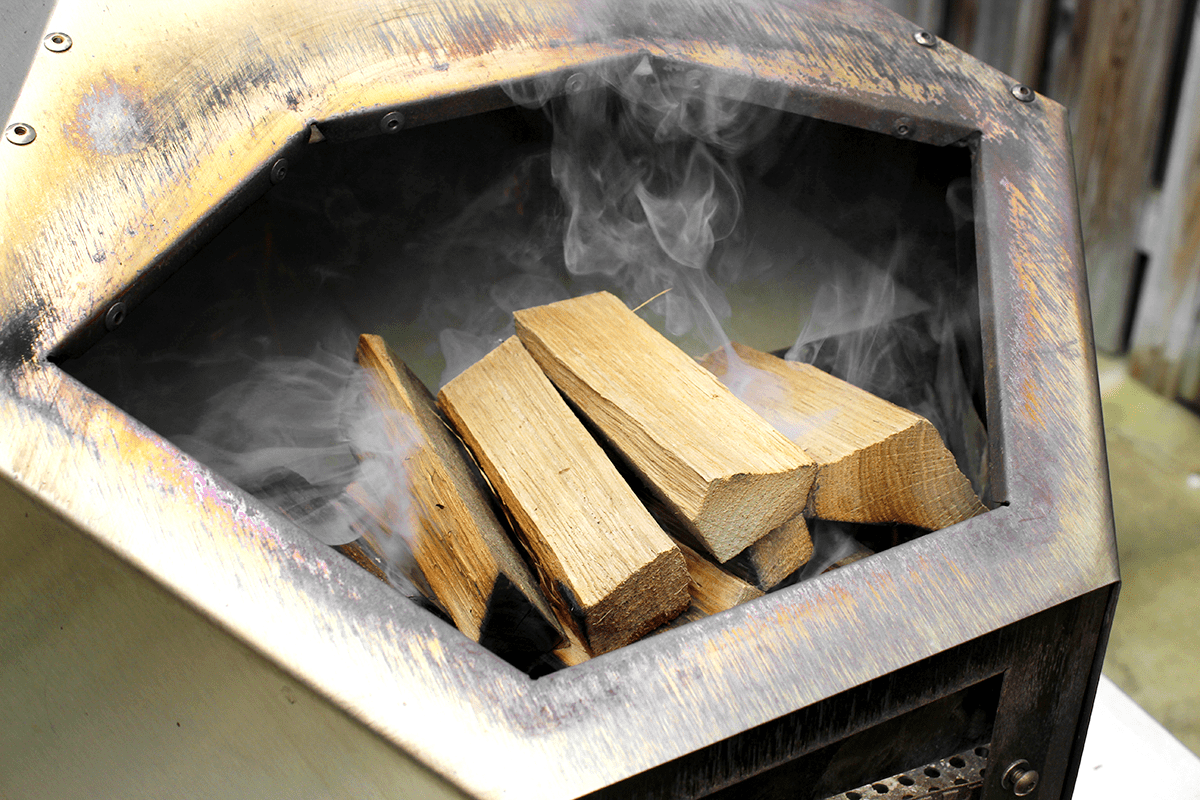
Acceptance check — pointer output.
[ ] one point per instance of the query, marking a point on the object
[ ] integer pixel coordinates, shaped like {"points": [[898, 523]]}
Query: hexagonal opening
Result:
{"points": [[842, 247]]}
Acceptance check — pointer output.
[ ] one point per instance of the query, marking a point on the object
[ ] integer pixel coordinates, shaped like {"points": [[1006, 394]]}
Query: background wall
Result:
{"points": [[1129, 71]]}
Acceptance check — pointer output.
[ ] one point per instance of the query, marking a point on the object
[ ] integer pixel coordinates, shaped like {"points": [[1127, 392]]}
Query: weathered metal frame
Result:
{"points": [[160, 119]]}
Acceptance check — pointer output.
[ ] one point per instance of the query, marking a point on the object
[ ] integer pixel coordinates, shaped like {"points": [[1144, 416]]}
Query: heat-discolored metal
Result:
{"points": [[146, 148]]}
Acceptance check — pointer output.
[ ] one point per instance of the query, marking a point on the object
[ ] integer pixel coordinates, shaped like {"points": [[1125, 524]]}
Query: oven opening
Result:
{"points": [[715, 213]]}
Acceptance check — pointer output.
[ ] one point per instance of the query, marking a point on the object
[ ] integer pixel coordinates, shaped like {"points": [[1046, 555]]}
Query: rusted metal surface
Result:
{"points": [[138, 143]]}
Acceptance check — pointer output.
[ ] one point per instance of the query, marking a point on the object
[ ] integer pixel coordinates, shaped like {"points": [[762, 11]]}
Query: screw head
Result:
{"points": [[391, 123], [575, 83], [115, 316], [1023, 93], [20, 133], [925, 39], [279, 170], [1019, 778], [57, 42]]}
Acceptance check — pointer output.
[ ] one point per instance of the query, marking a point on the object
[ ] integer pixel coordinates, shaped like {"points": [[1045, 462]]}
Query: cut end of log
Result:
{"points": [[775, 556], [726, 471], [749, 503], [876, 462], [600, 556], [631, 612]]}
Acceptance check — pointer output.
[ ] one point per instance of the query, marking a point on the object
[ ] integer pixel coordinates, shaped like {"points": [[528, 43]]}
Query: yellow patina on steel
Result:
{"points": [[160, 112]]}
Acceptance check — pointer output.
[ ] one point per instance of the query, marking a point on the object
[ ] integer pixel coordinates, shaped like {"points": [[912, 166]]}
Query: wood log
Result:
{"points": [[876, 462], [601, 556], [763, 564], [713, 590], [775, 556], [463, 550], [732, 477]]}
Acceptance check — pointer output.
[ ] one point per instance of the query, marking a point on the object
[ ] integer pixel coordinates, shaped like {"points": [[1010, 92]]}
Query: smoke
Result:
{"points": [[309, 436], [640, 189], [633, 177]]}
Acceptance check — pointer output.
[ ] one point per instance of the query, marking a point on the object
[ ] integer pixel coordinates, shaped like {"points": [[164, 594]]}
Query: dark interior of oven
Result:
{"points": [[848, 249]]}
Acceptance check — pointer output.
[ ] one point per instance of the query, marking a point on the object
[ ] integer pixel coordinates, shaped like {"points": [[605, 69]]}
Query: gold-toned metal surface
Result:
{"points": [[138, 143]]}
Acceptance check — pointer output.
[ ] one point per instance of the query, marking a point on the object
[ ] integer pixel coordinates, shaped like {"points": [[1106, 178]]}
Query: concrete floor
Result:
{"points": [[1154, 461]]}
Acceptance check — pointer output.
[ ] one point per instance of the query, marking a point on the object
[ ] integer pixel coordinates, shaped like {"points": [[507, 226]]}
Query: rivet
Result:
{"points": [[903, 127], [575, 83], [1023, 93], [391, 123], [925, 39], [57, 42], [695, 80], [20, 133], [279, 170], [115, 316]]}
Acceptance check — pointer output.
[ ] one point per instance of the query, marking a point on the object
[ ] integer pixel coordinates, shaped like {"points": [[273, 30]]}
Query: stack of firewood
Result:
{"points": [[638, 485]]}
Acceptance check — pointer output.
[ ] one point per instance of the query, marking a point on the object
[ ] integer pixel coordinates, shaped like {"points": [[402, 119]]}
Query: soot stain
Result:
{"points": [[231, 88], [573, 607], [19, 334], [113, 118]]}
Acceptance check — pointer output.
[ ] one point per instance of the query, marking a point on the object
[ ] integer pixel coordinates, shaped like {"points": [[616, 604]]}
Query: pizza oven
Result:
{"points": [[182, 181]]}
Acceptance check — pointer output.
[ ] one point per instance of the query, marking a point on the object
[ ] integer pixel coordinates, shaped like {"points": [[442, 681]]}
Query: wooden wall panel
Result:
{"points": [[926, 13], [1165, 345], [1010, 35], [1113, 75]]}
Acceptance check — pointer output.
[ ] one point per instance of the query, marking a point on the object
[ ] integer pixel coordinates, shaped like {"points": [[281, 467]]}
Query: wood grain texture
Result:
{"points": [[730, 476], [601, 556], [1010, 35], [1165, 342], [775, 556], [463, 550], [876, 462], [1114, 78], [712, 589], [763, 564]]}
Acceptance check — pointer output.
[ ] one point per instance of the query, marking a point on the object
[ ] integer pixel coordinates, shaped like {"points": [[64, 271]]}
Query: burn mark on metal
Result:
{"points": [[20, 332], [113, 118]]}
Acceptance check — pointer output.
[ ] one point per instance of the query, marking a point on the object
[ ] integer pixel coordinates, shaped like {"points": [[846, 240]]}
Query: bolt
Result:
{"points": [[57, 42], [20, 133], [1019, 778], [903, 127], [575, 83], [279, 170], [925, 39], [391, 123], [1023, 93], [115, 316]]}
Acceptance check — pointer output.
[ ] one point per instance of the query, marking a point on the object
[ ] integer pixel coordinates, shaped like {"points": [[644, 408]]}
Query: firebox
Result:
{"points": [[166, 631]]}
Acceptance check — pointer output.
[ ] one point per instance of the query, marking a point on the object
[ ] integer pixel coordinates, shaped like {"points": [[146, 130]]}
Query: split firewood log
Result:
{"points": [[731, 477], [600, 555], [463, 550], [713, 589], [876, 462], [775, 556]]}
